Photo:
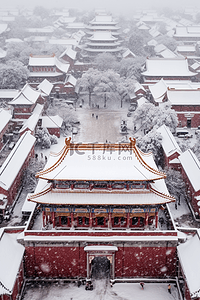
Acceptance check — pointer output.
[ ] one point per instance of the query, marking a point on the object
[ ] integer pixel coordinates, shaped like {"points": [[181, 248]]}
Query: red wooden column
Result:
{"points": [[128, 220], [146, 219], [44, 218], [156, 219], [53, 219], [90, 220], [109, 220], [72, 219]]}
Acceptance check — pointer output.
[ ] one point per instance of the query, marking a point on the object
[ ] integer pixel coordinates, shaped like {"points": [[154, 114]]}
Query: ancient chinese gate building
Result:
{"points": [[100, 200]]}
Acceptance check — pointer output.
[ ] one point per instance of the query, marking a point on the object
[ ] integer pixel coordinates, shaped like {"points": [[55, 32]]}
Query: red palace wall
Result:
{"points": [[1, 135], [54, 131], [133, 259], [13, 190], [18, 283], [195, 120]]}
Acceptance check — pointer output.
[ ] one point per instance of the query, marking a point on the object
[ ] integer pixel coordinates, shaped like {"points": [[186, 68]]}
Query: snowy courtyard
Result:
{"points": [[119, 291]]}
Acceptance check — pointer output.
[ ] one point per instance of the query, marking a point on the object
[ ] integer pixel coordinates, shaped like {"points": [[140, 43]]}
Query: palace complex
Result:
{"points": [[100, 200]]}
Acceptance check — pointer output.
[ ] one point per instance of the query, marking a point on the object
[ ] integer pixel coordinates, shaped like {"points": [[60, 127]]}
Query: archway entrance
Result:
{"points": [[100, 267], [100, 261]]}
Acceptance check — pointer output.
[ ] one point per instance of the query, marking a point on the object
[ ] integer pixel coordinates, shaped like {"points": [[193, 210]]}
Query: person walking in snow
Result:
{"points": [[169, 288], [142, 285]]}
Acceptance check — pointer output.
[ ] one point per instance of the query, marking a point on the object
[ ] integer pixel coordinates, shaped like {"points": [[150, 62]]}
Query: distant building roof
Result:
{"points": [[169, 144], [15, 160], [158, 90], [69, 52], [65, 42], [167, 53], [31, 122], [187, 31], [102, 36], [14, 40], [159, 47], [141, 101], [152, 42], [51, 121], [186, 48], [191, 166], [5, 117], [172, 67], [27, 96], [8, 93], [128, 52], [45, 87], [183, 97], [48, 60], [71, 80]]}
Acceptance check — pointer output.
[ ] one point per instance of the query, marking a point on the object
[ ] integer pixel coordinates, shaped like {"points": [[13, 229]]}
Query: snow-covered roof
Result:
{"points": [[186, 48], [141, 101], [138, 87], [107, 168], [187, 31], [15, 160], [143, 27], [167, 53], [75, 197], [31, 122], [160, 47], [3, 27], [167, 67], [183, 97], [102, 36], [154, 32], [5, 117], [103, 19], [48, 29], [14, 40], [71, 80], [28, 206], [191, 166], [188, 254], [49, 61], [128, 52], [99, 163], [65, 42], [11, 255], [45, 74], [158, 90], [51, 121], [195, 66], [152, 42], [101, 248], [45, 87], [69, 52], [8, 93], [169, 143], [27, 96], [101, 238]]}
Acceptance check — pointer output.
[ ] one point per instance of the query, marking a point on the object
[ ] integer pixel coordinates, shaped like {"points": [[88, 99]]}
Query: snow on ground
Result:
{"points": [[119, 291], [181, 210]]}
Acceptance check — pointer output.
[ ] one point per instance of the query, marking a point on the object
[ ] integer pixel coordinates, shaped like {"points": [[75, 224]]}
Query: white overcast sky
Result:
{"points": [[118, 6]]}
